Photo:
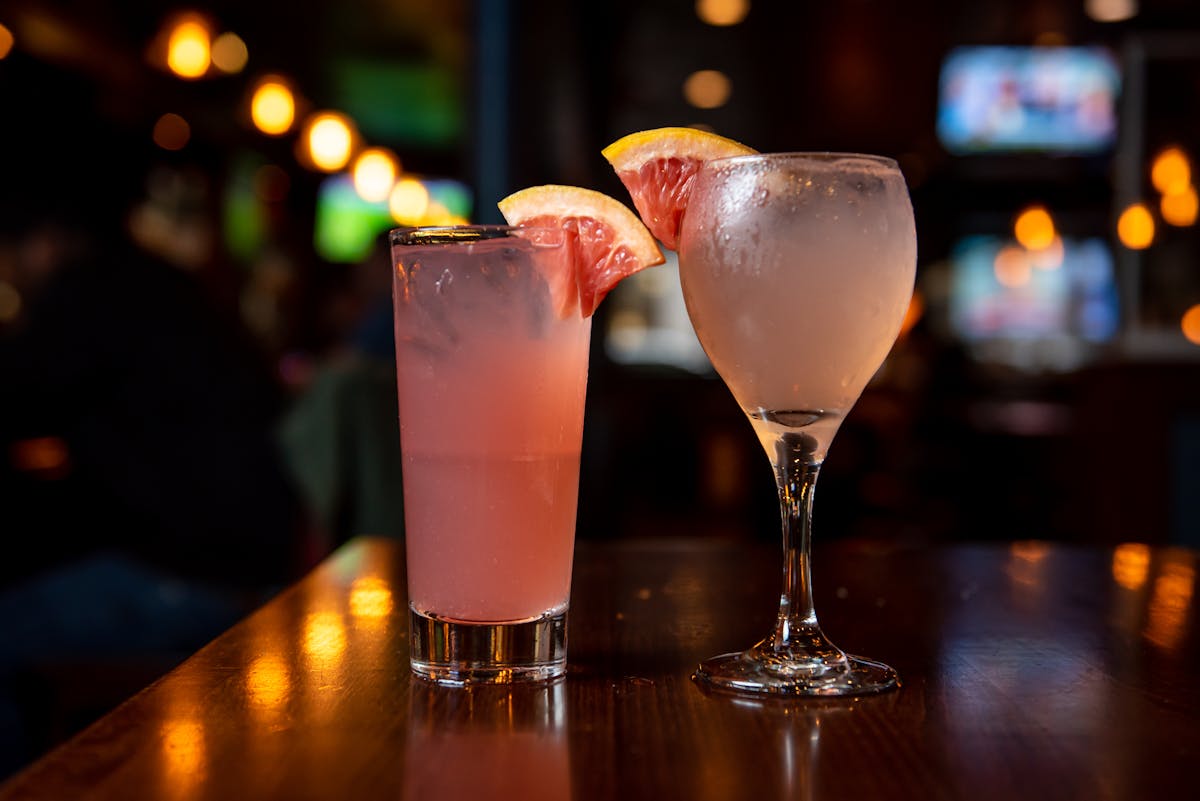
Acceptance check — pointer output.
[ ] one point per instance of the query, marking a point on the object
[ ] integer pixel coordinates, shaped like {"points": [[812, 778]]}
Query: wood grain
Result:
{"points": [[1030, 671]]}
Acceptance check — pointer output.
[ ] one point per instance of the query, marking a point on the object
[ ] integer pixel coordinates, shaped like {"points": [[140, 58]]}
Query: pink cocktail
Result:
{"points": [[491, 389]]}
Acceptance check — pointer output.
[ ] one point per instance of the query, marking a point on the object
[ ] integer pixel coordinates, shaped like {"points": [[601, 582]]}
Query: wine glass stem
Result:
{"points": [[796, 469]]}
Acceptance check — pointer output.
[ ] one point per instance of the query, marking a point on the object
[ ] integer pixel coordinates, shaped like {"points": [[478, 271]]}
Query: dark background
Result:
{"points": [[177, 417]]}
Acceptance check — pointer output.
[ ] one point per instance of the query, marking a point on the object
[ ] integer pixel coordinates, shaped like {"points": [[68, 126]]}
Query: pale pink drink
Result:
{"points": [[797, 269], [491, 389]]}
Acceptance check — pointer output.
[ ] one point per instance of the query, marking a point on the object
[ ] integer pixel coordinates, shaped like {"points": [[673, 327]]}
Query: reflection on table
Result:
{"points": [[1029, 669]]}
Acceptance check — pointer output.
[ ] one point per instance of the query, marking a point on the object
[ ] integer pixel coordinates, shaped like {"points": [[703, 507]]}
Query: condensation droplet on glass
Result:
{"points": [[443, 283]]}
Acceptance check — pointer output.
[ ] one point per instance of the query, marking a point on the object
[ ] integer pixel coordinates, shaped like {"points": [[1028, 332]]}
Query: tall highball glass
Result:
{"points": [[491, 389], [797, 270]]}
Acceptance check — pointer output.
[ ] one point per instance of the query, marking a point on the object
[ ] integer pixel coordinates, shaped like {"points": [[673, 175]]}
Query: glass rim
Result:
{"points": [[425, 235], [815, 156]]}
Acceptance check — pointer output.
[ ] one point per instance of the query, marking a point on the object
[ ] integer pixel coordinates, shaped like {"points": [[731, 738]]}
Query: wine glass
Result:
{"points": [[797, 270]]}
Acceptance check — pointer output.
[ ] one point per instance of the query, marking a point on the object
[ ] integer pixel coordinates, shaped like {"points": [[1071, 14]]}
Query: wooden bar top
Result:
{"points": [[1030, 671]]}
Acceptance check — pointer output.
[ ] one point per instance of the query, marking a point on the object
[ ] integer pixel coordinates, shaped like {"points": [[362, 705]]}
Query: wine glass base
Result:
{"points": [[741, 672]]}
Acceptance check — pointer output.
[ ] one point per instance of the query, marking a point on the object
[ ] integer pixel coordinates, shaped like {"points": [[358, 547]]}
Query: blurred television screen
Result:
{"points": [[1057, 100], [1038, 310]]}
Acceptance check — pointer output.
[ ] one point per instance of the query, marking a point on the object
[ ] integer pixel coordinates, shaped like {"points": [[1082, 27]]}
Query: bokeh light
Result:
{"points": [[1110, 10], [229, 53], [6, 41], [273, 107], [408, 201], [707, 89], [188, 48], [1171, 171], [1135, 227], [1191, 324], [374, 174], [329, 140], [1131, 564], [1049, 257], [1034, 228], [722, 13], [1179, 209], [171, 132], [1012, 267]]}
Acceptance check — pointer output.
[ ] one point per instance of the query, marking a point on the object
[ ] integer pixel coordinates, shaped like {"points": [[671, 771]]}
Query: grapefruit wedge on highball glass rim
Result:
{"points": [[606, 241]]}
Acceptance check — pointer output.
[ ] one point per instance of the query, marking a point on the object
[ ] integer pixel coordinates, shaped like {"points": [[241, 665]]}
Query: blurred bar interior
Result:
{"points": [[196, 388]]}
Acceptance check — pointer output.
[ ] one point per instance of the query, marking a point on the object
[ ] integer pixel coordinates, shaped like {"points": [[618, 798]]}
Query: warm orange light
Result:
{"points": [[1034, 228], [268, 682], [1180, 209], [1012, 267], [1167, 613], [188, 48], [6, 41], [1171, 172], [324, 637], [330, 140], [1190, 323], [273, 107], [408, 201], [374, 174], [370, 597], [229, 53], [1135, 227], [916, 309], [48, 457], [722, 12], [171, 132], [1131, 564], [183, 752], [707, 89]]}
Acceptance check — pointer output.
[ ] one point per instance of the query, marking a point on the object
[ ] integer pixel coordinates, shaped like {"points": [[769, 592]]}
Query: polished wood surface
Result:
{"points": [[1030, 671]]}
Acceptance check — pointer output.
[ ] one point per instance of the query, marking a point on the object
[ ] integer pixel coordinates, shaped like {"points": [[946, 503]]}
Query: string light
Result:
{"points": [[188, 48], [374, 174], [1135, 227], [330, 140], [273, 107]]}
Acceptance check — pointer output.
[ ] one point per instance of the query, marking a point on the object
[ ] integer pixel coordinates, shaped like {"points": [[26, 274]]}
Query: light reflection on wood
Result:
{"points": [[1169, 604], [1131, 564], [268, 683], [370, 598], [183, 756]]}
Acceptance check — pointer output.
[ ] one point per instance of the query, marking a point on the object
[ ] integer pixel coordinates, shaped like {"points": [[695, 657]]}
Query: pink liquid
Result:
{"points": [[491, 388]]}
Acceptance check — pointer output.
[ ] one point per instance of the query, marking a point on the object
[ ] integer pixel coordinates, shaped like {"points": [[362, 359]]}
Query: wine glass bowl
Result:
{"points": [[797, 270]]}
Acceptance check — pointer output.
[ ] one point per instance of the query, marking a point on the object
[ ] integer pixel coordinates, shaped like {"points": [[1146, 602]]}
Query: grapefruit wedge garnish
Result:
{"points": [[658, 167], [605, 241]]}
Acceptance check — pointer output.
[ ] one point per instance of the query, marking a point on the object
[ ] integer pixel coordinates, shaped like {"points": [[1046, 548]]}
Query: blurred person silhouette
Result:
{"points": [[341, 435], [143, 505]]}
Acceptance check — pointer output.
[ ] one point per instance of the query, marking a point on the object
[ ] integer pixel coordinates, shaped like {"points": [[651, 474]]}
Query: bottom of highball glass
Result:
{"points": [[460, 653], [746, 672]]}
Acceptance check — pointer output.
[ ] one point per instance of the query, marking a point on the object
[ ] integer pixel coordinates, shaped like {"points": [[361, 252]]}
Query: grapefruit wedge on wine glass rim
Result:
{"points": [[658, 166], [605, 241]]}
